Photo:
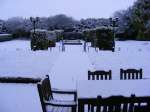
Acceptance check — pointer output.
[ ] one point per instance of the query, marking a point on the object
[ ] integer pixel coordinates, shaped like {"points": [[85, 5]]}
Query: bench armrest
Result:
{"points": [[69, 92]]}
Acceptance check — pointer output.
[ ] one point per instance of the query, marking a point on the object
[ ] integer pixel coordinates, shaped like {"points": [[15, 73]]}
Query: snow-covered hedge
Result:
{"points": [[5, 37], [59, 34], [101, 37], [42, 39], [105, 38], [89, 36]]}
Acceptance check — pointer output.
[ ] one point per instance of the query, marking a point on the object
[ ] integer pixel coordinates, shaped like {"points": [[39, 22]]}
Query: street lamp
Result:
{"points": [[85, 42], [1, 26], [114, 24], [34, 21], [95, 41], [33, 40]]}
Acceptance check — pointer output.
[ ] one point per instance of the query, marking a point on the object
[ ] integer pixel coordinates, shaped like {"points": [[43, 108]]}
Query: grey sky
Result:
{"points": [[75, 8]]}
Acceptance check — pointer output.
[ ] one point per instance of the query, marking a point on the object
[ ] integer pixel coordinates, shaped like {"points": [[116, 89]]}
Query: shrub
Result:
{"points": [[20, 33], [72, 35], [105, 39]]}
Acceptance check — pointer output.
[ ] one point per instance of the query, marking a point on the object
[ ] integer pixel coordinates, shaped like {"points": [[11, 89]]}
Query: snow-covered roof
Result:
{"points": [[50, 34], [5, 35], [39, 30], [103, 27], [98, 28], [59, 31], [44, 30]]}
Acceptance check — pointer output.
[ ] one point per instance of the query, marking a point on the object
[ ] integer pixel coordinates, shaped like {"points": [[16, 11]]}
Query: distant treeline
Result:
{"points": [[21, 27], [134, 23]]}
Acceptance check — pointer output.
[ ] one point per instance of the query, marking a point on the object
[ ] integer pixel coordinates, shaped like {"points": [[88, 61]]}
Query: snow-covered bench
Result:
{"points": [[49, 103], [19, 94]]}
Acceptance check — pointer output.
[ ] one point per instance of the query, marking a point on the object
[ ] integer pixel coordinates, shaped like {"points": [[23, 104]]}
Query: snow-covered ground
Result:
{"points": [[128, 54], [17, 59], [71, 66], [64, 68]]}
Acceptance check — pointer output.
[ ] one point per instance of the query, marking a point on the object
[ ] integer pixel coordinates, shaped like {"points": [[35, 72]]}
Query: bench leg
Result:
{"points": [[74, 109], [80, 107]]}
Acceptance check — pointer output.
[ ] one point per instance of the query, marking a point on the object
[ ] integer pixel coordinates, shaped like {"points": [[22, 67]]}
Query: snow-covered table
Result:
{"points": [[89, 90], [19, 98]]}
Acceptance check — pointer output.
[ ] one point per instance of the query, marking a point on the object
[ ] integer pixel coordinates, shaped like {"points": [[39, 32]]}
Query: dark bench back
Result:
{"points": [[130, 74], [99, 75], [45, 92], [123, 104], [45, 88]]}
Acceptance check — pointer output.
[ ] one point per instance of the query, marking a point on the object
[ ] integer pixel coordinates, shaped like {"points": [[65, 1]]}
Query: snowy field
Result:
{"points": [[17, 59], [64, 68], [128, 54]]}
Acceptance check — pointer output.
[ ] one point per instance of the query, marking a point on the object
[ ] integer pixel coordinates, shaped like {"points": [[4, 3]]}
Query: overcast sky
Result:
{"points": [[76, 8]]}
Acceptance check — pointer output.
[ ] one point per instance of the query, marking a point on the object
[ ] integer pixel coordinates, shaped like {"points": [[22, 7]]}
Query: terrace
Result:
{"points": [[74, 55], [69, 70]]}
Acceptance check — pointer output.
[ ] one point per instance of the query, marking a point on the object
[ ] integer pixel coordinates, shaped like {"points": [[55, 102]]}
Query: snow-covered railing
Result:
{"points": [[19, 80]]}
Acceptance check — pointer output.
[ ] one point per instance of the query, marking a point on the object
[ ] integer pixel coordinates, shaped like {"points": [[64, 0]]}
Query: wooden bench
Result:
{"points": [[121, 104], [130, 74], [99, 75], [47, 99]]}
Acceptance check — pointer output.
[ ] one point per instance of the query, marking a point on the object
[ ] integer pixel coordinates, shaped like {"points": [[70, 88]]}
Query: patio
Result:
{"points": [[70, 68]]}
